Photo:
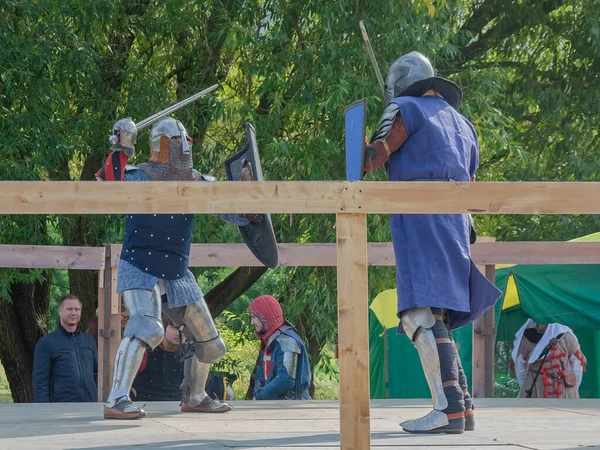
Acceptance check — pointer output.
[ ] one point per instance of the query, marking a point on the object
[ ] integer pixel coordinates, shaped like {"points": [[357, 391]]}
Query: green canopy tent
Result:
{"points": [[394, 363], [564, 293]]}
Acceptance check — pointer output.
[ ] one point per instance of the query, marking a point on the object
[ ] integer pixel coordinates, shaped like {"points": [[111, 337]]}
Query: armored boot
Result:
{"points": [[436, 352], [194, 397], [202, 348], [144, 329], [128, 360]]}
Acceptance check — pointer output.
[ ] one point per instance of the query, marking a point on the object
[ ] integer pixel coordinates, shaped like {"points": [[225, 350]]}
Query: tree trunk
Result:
{"points": [[84, 283], [314, 346], [250, 391], [314, 349], [24, 321], [228, 290]]}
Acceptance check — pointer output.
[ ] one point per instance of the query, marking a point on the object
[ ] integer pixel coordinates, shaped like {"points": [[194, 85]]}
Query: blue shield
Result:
{"points": [[356, 116]]}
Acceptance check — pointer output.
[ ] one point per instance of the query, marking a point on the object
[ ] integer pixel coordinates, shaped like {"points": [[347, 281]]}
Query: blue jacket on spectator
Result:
{"points": [[278, 385], [65, 368]]}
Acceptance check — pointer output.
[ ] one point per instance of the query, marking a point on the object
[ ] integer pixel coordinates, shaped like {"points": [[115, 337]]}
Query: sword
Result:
{"points": [[165, 112], [371, 54], [114, 139]]}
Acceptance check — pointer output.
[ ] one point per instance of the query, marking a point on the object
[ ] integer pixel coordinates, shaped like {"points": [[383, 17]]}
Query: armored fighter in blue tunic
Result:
{"points": [[421, 137], [154, 261]]}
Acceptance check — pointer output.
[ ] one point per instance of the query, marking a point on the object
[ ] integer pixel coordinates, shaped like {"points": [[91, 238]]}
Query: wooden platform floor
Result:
{"points": [[501, 424]]}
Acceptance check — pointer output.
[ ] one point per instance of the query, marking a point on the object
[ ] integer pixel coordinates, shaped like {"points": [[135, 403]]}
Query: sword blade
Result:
{"points": [[371, 54], [165, 112]]}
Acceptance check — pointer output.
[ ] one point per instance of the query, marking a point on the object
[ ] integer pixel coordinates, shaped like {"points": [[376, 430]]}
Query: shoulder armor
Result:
{"points": [[288, 343], [385, 124], [207, 178]]}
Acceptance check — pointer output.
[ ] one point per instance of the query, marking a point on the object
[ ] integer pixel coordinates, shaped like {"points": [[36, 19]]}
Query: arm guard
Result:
{"points": [[389, 137], [114, 167]]}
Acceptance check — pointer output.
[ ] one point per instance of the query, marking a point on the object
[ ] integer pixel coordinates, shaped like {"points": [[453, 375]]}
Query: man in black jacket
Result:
{"points": [[65, 363]]}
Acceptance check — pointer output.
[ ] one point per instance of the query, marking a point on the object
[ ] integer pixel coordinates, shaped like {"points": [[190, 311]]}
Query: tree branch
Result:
{"points": [[227, 291], [507, 22]]}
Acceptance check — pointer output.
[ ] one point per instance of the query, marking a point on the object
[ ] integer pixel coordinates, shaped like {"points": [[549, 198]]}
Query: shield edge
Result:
{"points": [[251, 143], [363, 102]]}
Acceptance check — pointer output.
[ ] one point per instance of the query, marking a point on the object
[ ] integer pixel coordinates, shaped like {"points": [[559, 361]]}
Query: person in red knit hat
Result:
{"points": [[283, 372]]}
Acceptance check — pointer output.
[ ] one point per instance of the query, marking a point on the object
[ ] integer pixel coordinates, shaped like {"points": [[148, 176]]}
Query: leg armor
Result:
{"points": [[193, 387], [462, 381], [199, 331], [145, 322], [436, 352], [204, 340], [144, 329]]}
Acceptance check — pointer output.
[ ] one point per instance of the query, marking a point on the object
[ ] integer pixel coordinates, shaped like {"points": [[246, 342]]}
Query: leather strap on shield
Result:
{"points": [[258, 234]]}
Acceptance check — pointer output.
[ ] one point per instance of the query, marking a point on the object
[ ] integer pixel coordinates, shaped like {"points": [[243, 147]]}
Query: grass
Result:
{"points": [[5, 396]]}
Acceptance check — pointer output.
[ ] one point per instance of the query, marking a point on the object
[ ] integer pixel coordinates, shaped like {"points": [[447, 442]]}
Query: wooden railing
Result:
{"points": [[350, 201]]}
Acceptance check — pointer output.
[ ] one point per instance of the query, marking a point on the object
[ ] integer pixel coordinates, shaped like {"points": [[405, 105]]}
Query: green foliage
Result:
{"points": [[529, 70], [59, 288], [505, 382], [5, 396], [505, 386], [3, 380], [242, 350], [327, 376]]}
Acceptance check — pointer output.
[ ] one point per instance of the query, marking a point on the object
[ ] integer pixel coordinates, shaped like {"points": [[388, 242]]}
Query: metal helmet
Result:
{"points": [[166, 148], [170, 128], [123, 136], [413, 75]]}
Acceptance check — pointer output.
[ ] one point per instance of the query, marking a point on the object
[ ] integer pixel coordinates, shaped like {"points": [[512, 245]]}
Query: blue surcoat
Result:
{"points": [[433, 262]]}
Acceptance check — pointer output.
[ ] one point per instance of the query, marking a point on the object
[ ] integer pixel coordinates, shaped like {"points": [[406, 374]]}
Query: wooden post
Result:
{"points": [[386, 362], [353, 331], [109, 326], [101, 342], [484, 342], [490, 338]]}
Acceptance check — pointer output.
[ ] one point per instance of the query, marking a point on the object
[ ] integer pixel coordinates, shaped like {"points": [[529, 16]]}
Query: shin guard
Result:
{"points": [[462, 381], [450, 375]]}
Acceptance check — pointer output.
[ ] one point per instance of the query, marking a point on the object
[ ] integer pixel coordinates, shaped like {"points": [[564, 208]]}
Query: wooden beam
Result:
{"points": [[536, 253], [62, 197], [290, 255], [474, 198], [485, 251], [109, 327], [353, 331], [104, 331], [310, 197], [490, 338], [102, 348], [51, 257], [484, 346]]}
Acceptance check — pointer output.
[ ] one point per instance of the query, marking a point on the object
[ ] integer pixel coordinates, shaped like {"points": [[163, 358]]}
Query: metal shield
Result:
{"points": [[258, 235], [356, 116]]}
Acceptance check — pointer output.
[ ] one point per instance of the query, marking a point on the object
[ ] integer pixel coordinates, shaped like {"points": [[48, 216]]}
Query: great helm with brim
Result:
{"points": [[413, 75]]}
